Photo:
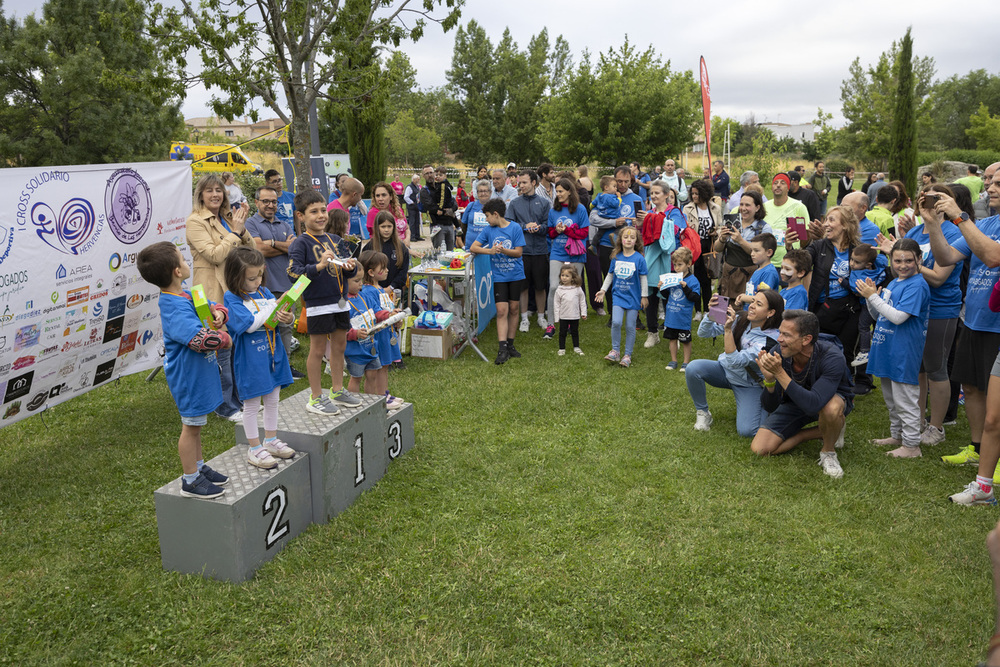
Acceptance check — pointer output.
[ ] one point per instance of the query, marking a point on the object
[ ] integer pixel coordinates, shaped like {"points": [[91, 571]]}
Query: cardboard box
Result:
{"points": [[431, 343]]}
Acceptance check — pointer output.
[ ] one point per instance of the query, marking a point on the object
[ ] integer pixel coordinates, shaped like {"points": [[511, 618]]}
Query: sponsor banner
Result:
{"points": [[74, 312]]}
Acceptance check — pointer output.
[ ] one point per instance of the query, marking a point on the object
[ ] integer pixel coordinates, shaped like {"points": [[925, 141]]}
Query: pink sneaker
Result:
{"points": [[613, 356], [625, 362]]}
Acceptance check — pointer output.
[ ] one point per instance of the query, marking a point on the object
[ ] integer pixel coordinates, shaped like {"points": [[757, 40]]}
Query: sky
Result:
{"points": [[763, 59]]}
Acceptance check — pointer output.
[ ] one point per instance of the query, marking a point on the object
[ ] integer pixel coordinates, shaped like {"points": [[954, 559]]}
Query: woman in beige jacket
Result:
{"points": [[213, 230]]}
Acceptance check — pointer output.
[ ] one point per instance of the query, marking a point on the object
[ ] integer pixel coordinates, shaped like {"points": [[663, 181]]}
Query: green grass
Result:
{"points": [[554, 511]]}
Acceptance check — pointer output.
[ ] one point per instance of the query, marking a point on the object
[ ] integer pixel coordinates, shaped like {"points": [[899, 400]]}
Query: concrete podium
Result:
{"points": [[347, 451], [229, 537], [399, 437]]}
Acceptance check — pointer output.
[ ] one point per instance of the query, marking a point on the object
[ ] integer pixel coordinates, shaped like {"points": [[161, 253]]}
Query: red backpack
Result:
{"points": [[689, 238]]}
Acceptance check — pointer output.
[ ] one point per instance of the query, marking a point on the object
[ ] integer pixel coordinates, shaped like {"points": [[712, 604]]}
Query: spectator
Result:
{"points": [[734, 244], [747, 178], [804, 195], [875, 187], [675, 179], [286, 200], [720, 180], [845, 186], [501, 188], [819, 183], [776, 214], [584, 179], [705, 216], [411, 197], [972, 181]]}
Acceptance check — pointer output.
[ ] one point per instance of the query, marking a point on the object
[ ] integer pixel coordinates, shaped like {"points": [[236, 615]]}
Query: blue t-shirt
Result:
{"points": [[978, 315], [193, 377], [885, 360], [679, 311], [946, 300], [579, 218], [362, 311], [796, 298], [841, 269], [386, 340], [607, 205], [286, 209], [631, 202], [626, 286], [505, 269], [475, 221], [766, 277], [357, 224], [869, 230], [877, 274], [260, 362]]}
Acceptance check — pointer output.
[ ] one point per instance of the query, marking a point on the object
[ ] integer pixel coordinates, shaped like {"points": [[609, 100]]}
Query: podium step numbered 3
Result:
{"points": [[339, 457]]}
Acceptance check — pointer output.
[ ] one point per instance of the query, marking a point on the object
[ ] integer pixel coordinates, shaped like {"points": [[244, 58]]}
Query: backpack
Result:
{"points": [[689, 238]]}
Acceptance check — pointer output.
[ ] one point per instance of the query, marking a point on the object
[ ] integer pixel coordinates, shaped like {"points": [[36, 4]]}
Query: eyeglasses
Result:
{"points": [[268, 202]]}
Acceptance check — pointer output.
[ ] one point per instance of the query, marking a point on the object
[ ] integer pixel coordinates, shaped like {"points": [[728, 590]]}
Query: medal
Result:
{"points": [[392, 340], [342, 303]]}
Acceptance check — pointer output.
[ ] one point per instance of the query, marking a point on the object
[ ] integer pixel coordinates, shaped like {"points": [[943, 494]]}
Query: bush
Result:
{"points": [[838, 165], [967, 155]]}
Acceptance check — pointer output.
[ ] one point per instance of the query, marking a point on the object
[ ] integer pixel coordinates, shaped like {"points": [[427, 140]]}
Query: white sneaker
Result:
{"points": [[261, 458], [703, 420], [562, 352], [525, 324], [236, 417], [542, 323], [651, 339], [279, 449], [578, 351], [973, 494], [697, 317], [861, 359], [932, 435], [831, 466], [600, 312]]}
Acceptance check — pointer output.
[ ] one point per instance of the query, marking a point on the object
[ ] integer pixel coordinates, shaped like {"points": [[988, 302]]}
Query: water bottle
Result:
{"points": [[442, 249]]}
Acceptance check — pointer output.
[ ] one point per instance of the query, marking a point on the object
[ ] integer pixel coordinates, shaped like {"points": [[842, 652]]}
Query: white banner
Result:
{"points": [[74, 312]]}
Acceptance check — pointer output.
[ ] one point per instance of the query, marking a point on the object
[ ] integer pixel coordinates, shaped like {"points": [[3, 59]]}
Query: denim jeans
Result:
{"points": [[629, 316], [749, 413], [231, 403]]}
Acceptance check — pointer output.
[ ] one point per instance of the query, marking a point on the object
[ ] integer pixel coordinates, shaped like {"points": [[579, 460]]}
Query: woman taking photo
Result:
{"points": [[384, 199], [835, 305], [734, 244], [658, 241], [705, 216], [745, 335], [213, 230]]}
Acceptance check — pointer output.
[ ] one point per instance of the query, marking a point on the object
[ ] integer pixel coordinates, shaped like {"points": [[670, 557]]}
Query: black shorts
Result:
{"points": [[536, 271], [788, 419], [977, 350], [321, 325], [504, 292], [683, 335]]}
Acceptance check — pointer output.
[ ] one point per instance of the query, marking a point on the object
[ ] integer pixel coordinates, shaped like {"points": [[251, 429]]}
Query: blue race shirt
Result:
{"points": [[841, 269], [679, 311], [946, 300], [766, 277], [796, 298], [877, 274], [626, 286], [631, 202], [978, 315], [362, 313], [897, 350], [193, 377], [286, 209], [386, 340], [260, 362], [579, 218], [869, 230], [475, 221], [505, 269]]}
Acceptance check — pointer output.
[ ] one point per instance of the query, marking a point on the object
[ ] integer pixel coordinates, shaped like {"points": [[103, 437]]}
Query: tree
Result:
{"points": [[985, 129], [294, 52], [83, 85], [409, 144], [953, 102], [869, 102], [903, 146], [629, 106], [719, 127], [763, 156]]}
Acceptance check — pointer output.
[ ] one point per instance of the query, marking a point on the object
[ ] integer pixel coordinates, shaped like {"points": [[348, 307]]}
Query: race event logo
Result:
{"points": [[127, 205], [74, 230]]}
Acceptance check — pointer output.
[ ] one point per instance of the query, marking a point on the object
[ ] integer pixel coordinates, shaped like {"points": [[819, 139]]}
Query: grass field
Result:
{"points": [[554, 511]]}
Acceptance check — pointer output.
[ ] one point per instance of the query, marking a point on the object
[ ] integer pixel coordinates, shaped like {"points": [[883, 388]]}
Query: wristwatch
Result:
{"points": [[962, 218], [272, 243]]}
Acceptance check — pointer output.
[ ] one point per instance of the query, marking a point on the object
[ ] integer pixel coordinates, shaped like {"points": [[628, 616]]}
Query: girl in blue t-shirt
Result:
{"points": [[902, 309], [260, 364], [628, 275], [375, 266]]}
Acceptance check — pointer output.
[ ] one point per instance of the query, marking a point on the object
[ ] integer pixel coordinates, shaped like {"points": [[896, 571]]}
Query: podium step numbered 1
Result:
{"points": [[339, 457]]}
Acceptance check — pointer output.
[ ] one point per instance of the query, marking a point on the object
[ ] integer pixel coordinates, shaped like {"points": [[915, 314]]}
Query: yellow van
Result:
{"points": [[213, 157]]}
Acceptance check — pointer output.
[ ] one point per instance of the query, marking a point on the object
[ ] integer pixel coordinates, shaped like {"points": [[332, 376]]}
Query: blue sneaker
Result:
{"points": [[213, 476], [200, 488]]}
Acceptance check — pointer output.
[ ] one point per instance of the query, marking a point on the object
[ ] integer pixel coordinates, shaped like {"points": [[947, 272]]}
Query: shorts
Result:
{"points": [[322, 325], [977, 350], [503, 292], [194, 421], [788, 419], [357, 370], [683, 335], [536, 271]]}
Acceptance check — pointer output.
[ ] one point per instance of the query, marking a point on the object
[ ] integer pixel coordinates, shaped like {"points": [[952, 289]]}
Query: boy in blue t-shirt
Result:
{"points": [[503, 241], [608, 204], [190, 365], [866, 262], [795, 266], [680, 300], [762, 248]]}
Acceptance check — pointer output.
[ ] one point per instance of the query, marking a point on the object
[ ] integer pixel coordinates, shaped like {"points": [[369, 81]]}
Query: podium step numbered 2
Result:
{"points": [[339, 457]]}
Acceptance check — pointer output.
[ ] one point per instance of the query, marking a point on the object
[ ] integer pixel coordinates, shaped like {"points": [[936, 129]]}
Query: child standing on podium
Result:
{"points": [[190, 364]]}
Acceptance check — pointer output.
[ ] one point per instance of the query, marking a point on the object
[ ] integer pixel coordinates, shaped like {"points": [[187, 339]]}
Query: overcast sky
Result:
{"points": [[776, 60]]}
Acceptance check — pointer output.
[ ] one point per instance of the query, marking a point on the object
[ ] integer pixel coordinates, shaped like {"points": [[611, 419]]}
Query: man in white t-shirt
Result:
{"points": [[675, 181]]}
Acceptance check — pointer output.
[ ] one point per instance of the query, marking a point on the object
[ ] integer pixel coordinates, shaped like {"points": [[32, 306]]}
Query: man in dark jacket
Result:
{"points": [[439, 204]]}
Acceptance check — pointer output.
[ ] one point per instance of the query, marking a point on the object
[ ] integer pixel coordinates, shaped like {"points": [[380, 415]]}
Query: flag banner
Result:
{"points": [[706, 104]]}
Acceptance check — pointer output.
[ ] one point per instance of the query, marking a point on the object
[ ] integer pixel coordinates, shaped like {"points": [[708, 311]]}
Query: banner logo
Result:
{"points": [[73, 231], [127, 205]]}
